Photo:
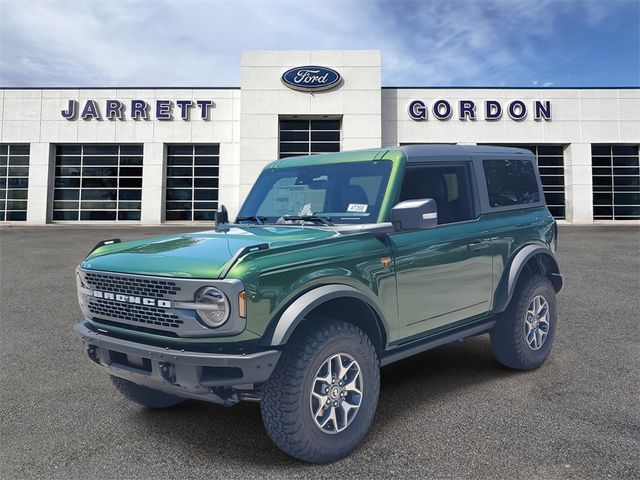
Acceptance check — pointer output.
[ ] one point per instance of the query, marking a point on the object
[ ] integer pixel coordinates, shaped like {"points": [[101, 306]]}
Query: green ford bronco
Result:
{"points": [[336, 265]]}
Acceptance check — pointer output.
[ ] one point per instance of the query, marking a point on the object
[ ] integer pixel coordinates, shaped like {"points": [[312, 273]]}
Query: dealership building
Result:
{"points": [[156, 155]]}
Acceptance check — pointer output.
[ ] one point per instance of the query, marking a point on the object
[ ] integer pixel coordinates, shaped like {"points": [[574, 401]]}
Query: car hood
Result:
{"points": [[195, 255]]}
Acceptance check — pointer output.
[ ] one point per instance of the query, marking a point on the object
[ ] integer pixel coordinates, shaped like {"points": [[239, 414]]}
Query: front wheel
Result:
{"points": [[319, 403], [523, 335]]}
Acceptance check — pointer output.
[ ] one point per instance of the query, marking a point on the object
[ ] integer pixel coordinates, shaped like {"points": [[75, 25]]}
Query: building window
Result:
{"points": [[309, 137], [550, 161], [98, 182], [616, 182], [14, 182], [192, 182]]}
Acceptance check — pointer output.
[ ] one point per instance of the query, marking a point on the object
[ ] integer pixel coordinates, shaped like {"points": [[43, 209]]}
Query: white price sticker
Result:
{"points": [[357, 207]]}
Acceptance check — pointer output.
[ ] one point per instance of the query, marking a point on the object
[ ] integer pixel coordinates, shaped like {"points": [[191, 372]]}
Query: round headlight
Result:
{"points": [[213, 306]]}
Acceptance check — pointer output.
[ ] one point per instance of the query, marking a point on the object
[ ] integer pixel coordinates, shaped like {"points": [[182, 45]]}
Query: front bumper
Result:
{"points": [[179, 372]]}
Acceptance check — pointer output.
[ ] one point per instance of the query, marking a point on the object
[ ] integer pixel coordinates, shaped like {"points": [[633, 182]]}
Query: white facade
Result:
{"points": [[245, 124]]}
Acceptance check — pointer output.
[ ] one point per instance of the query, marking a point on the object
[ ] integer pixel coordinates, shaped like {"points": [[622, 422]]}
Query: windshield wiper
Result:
{"points": [[309, 218], [252, 218]]}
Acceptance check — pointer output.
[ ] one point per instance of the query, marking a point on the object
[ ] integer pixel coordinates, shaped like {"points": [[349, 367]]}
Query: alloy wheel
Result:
{"points": [[336, 393], [536, 322]]}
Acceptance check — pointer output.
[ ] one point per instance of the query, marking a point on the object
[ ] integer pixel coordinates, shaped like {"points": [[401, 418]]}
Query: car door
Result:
{"points": [[443, 274]]}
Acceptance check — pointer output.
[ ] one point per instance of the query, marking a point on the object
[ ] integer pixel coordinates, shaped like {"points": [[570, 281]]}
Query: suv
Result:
{"points": [[336, 265]]}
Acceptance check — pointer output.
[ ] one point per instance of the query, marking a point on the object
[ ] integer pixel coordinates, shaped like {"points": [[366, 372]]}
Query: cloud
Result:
{"points": [[153, 43], [477, 42], [198, 43]]}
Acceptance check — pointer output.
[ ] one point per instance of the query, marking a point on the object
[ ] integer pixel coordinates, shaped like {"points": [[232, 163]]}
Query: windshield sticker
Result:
{"points": [[288, 199], [357, 207], [306, 210]]}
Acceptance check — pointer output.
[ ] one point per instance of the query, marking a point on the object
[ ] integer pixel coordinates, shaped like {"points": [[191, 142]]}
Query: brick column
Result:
{"points": [[153, 181], [578, 183], [41, 181]]}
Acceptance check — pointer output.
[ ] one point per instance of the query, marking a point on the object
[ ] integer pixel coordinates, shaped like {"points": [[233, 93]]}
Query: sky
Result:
{"points": [[187, 43]]}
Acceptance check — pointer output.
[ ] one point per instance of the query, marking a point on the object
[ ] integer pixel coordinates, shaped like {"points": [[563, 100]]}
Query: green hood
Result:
{"points": [[194, 255]]}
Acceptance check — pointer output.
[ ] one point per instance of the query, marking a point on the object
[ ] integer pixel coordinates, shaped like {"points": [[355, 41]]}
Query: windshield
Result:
{"points": [[327, 193]]}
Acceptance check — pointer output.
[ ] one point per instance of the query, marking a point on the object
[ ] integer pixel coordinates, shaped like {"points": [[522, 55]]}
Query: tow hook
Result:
{"points": [[227, 395], [168, 372], [92, 352]]}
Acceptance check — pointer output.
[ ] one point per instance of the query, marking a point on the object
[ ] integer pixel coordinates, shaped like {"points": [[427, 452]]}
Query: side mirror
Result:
{"points": [[415, 214], [221, 217]]}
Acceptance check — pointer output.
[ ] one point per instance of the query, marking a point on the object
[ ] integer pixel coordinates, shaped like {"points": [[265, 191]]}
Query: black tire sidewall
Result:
{"points": [[508, 337], [538, 357], [355, 432], [286, 397]]}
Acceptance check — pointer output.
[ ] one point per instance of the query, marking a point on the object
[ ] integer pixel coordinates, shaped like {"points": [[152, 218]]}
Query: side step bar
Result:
{"points": [[422, 346]]}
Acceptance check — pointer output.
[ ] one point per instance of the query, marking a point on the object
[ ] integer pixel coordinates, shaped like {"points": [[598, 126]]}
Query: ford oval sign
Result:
{"points": [[311, 78]]}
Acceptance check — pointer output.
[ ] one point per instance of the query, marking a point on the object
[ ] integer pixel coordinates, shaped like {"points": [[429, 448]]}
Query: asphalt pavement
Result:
{"points": [[452, 412]]}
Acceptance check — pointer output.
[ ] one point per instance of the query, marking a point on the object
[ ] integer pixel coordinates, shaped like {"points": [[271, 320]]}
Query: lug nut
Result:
{"points": [[335, 404]]}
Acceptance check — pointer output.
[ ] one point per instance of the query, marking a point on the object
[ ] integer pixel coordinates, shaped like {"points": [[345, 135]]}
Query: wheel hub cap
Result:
{"points": [[536, 323], [336, 393]]}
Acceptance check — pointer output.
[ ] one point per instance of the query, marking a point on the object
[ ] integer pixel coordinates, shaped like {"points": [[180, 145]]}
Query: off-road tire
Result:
{"points": [[508, 338], [285, 404], [145, 396]]}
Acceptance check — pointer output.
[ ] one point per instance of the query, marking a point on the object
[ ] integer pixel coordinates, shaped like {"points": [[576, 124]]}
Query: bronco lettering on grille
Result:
{"points": [[153, 302]]}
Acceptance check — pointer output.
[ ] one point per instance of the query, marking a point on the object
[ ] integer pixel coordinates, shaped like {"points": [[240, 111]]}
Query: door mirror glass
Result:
{"points": [[415, 214]]}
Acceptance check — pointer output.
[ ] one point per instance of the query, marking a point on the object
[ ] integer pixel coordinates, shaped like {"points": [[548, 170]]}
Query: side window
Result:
{"points": [[511, 182], [448, 185]]}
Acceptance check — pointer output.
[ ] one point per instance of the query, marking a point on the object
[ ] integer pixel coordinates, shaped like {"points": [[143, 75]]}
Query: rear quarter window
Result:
{"points": [[511, 182]]}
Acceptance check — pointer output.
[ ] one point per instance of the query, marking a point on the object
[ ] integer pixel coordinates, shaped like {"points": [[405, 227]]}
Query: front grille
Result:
{"points": [[135, 313], [153, 303], [131, 285]]}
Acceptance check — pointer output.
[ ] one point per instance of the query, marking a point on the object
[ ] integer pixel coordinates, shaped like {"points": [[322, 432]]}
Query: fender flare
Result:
{"points": [[510, 276], [305, 303]]}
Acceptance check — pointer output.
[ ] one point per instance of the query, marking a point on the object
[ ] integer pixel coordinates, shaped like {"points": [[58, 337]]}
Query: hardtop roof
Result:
{"points": [[435, 150], [413, 153]]}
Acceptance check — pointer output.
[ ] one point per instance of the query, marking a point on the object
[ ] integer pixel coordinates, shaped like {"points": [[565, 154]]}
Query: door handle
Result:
{"points": [[478, 245]]}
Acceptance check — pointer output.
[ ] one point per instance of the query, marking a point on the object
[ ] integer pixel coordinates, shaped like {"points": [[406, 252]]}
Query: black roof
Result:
{"points": [[418, 153]]}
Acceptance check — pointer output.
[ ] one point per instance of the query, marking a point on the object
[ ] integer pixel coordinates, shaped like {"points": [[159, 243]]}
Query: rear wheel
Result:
{"points": [[523, 336], [319, 403], [145, 396]]}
